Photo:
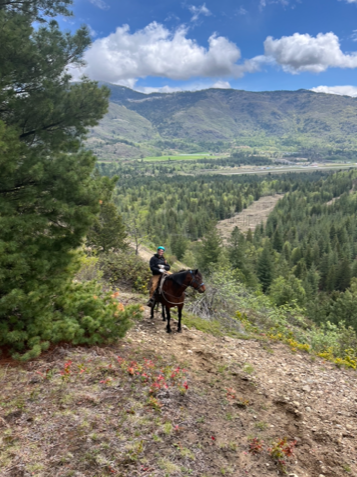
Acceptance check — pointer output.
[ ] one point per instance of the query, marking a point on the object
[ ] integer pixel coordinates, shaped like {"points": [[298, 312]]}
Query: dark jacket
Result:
{"points": [[155, 261]]}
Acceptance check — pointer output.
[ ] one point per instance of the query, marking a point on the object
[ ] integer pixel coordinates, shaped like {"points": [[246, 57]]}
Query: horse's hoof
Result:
{"points": [[179, 330], [168, 330]]}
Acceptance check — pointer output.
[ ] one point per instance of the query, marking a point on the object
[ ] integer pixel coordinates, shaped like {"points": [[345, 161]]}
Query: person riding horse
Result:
{"points": [[158, 266]]}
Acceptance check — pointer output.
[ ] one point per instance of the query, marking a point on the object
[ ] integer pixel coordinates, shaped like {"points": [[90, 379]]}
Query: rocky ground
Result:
{"points": [[204, 404]]}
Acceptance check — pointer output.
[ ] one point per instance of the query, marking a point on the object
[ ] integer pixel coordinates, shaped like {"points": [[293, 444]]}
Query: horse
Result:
{"points": [[173, 293]]}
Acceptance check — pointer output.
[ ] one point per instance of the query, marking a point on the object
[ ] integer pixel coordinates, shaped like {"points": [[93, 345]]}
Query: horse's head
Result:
{"points": [[197, 281]]}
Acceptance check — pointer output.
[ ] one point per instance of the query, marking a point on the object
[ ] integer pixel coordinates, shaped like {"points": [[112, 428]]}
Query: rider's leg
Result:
{"points": [[155, 280]]}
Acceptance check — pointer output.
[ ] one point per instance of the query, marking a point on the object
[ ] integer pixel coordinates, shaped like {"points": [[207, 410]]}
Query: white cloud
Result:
{"points": [[263, 3], [299, 53], [222, 85], [100, 4], [123, 57], [241, 11], [186, 87], [197, 11], [339, 90], [351, 1]]}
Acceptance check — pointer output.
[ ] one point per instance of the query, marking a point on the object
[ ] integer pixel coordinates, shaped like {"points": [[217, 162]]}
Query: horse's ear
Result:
{"points": [[196, 271]]}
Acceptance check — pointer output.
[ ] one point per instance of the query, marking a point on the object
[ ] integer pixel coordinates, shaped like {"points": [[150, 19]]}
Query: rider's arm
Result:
{"points": [[154, 265]]}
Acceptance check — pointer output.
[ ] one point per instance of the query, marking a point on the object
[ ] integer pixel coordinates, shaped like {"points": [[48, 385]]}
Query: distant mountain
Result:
{"points": [[139, 124]]}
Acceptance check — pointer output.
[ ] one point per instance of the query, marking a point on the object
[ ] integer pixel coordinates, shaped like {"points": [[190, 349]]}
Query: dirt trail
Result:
{"points": [[290, 395], [250, 217]]}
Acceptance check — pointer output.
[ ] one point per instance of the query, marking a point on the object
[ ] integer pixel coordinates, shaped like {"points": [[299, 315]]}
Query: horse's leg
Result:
{"points": [[163, 313], [168, 328], [152, 311], [179, 318]]}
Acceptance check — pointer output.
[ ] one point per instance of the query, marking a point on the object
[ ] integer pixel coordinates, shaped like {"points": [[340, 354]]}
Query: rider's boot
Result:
{"points": [[151, 302]]}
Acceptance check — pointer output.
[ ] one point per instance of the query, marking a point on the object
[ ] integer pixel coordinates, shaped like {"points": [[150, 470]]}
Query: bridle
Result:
{"points": [[194, 282]]}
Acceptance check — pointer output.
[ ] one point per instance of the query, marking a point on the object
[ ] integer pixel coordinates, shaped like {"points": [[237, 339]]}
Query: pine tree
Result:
{"points": [[179, 245], [211, 247], [265, 268], [48, 195], [108, 231], [343, 276], [277, 240], [250, 236], [287, 251]]}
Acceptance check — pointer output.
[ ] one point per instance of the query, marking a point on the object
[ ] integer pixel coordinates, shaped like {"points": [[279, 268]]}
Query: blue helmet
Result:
{"points": [[161, 248]]}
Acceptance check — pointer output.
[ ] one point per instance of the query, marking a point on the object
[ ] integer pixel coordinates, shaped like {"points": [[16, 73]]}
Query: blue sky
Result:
{"points": [[255, 45]]}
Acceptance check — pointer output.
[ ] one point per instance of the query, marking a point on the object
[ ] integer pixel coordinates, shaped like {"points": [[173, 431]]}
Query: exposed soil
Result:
{"points": [[250, 217], [103, 421]]}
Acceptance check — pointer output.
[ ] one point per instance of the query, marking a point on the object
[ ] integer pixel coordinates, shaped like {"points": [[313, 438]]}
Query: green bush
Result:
{"points": [[125, 269], [79, 314]]}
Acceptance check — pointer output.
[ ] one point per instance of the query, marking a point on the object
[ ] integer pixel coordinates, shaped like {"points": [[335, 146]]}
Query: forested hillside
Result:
{"points": [[201, 120], [304, 256]]}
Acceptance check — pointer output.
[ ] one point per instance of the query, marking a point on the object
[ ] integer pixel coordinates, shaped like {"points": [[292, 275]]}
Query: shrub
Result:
{"points": [[125, 269], [78, 314]]}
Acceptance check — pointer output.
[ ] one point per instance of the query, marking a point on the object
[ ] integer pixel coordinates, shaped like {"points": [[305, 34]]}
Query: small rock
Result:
{"points": [[308, 409], [189, 351], [348, 426], [306, 388], [296, 404]]}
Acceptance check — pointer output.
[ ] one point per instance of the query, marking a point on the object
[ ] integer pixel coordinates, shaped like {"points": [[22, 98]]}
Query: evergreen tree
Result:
{"points": [[287, 290], [179, 245], [48, 195], [108, 231], [343, 276], [210, 248], [287, 251], [265, 268], [277, 240]]}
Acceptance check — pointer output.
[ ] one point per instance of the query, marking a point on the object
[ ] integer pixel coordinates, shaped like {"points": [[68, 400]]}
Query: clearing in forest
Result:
{"points": [[250, 217]]}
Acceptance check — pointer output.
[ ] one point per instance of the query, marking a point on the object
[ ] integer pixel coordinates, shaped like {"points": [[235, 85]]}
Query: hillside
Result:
{"points": [[185, 120], [86, 412]]}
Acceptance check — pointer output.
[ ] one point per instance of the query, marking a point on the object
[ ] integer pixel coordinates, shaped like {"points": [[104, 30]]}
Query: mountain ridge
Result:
{"points": [[273, 119]]}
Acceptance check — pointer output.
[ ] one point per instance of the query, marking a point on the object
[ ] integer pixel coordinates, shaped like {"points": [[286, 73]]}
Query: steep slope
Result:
{"points": [[178, 405]]}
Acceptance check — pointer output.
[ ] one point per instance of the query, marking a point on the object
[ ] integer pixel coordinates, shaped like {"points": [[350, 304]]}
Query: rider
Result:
{"points": [[158, 266]]}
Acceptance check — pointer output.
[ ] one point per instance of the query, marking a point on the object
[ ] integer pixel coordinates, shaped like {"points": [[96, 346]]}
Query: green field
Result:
{"points": [[183, 157]]}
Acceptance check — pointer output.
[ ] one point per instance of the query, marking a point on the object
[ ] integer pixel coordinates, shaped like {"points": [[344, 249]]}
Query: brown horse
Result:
{"points": [[173, 293]]}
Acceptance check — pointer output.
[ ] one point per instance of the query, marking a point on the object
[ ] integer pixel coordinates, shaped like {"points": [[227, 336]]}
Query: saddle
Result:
{"points": [[161, 282]]}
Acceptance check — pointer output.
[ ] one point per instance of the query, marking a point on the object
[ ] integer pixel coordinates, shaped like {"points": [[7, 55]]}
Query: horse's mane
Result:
{"points": [[178, 277]]}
